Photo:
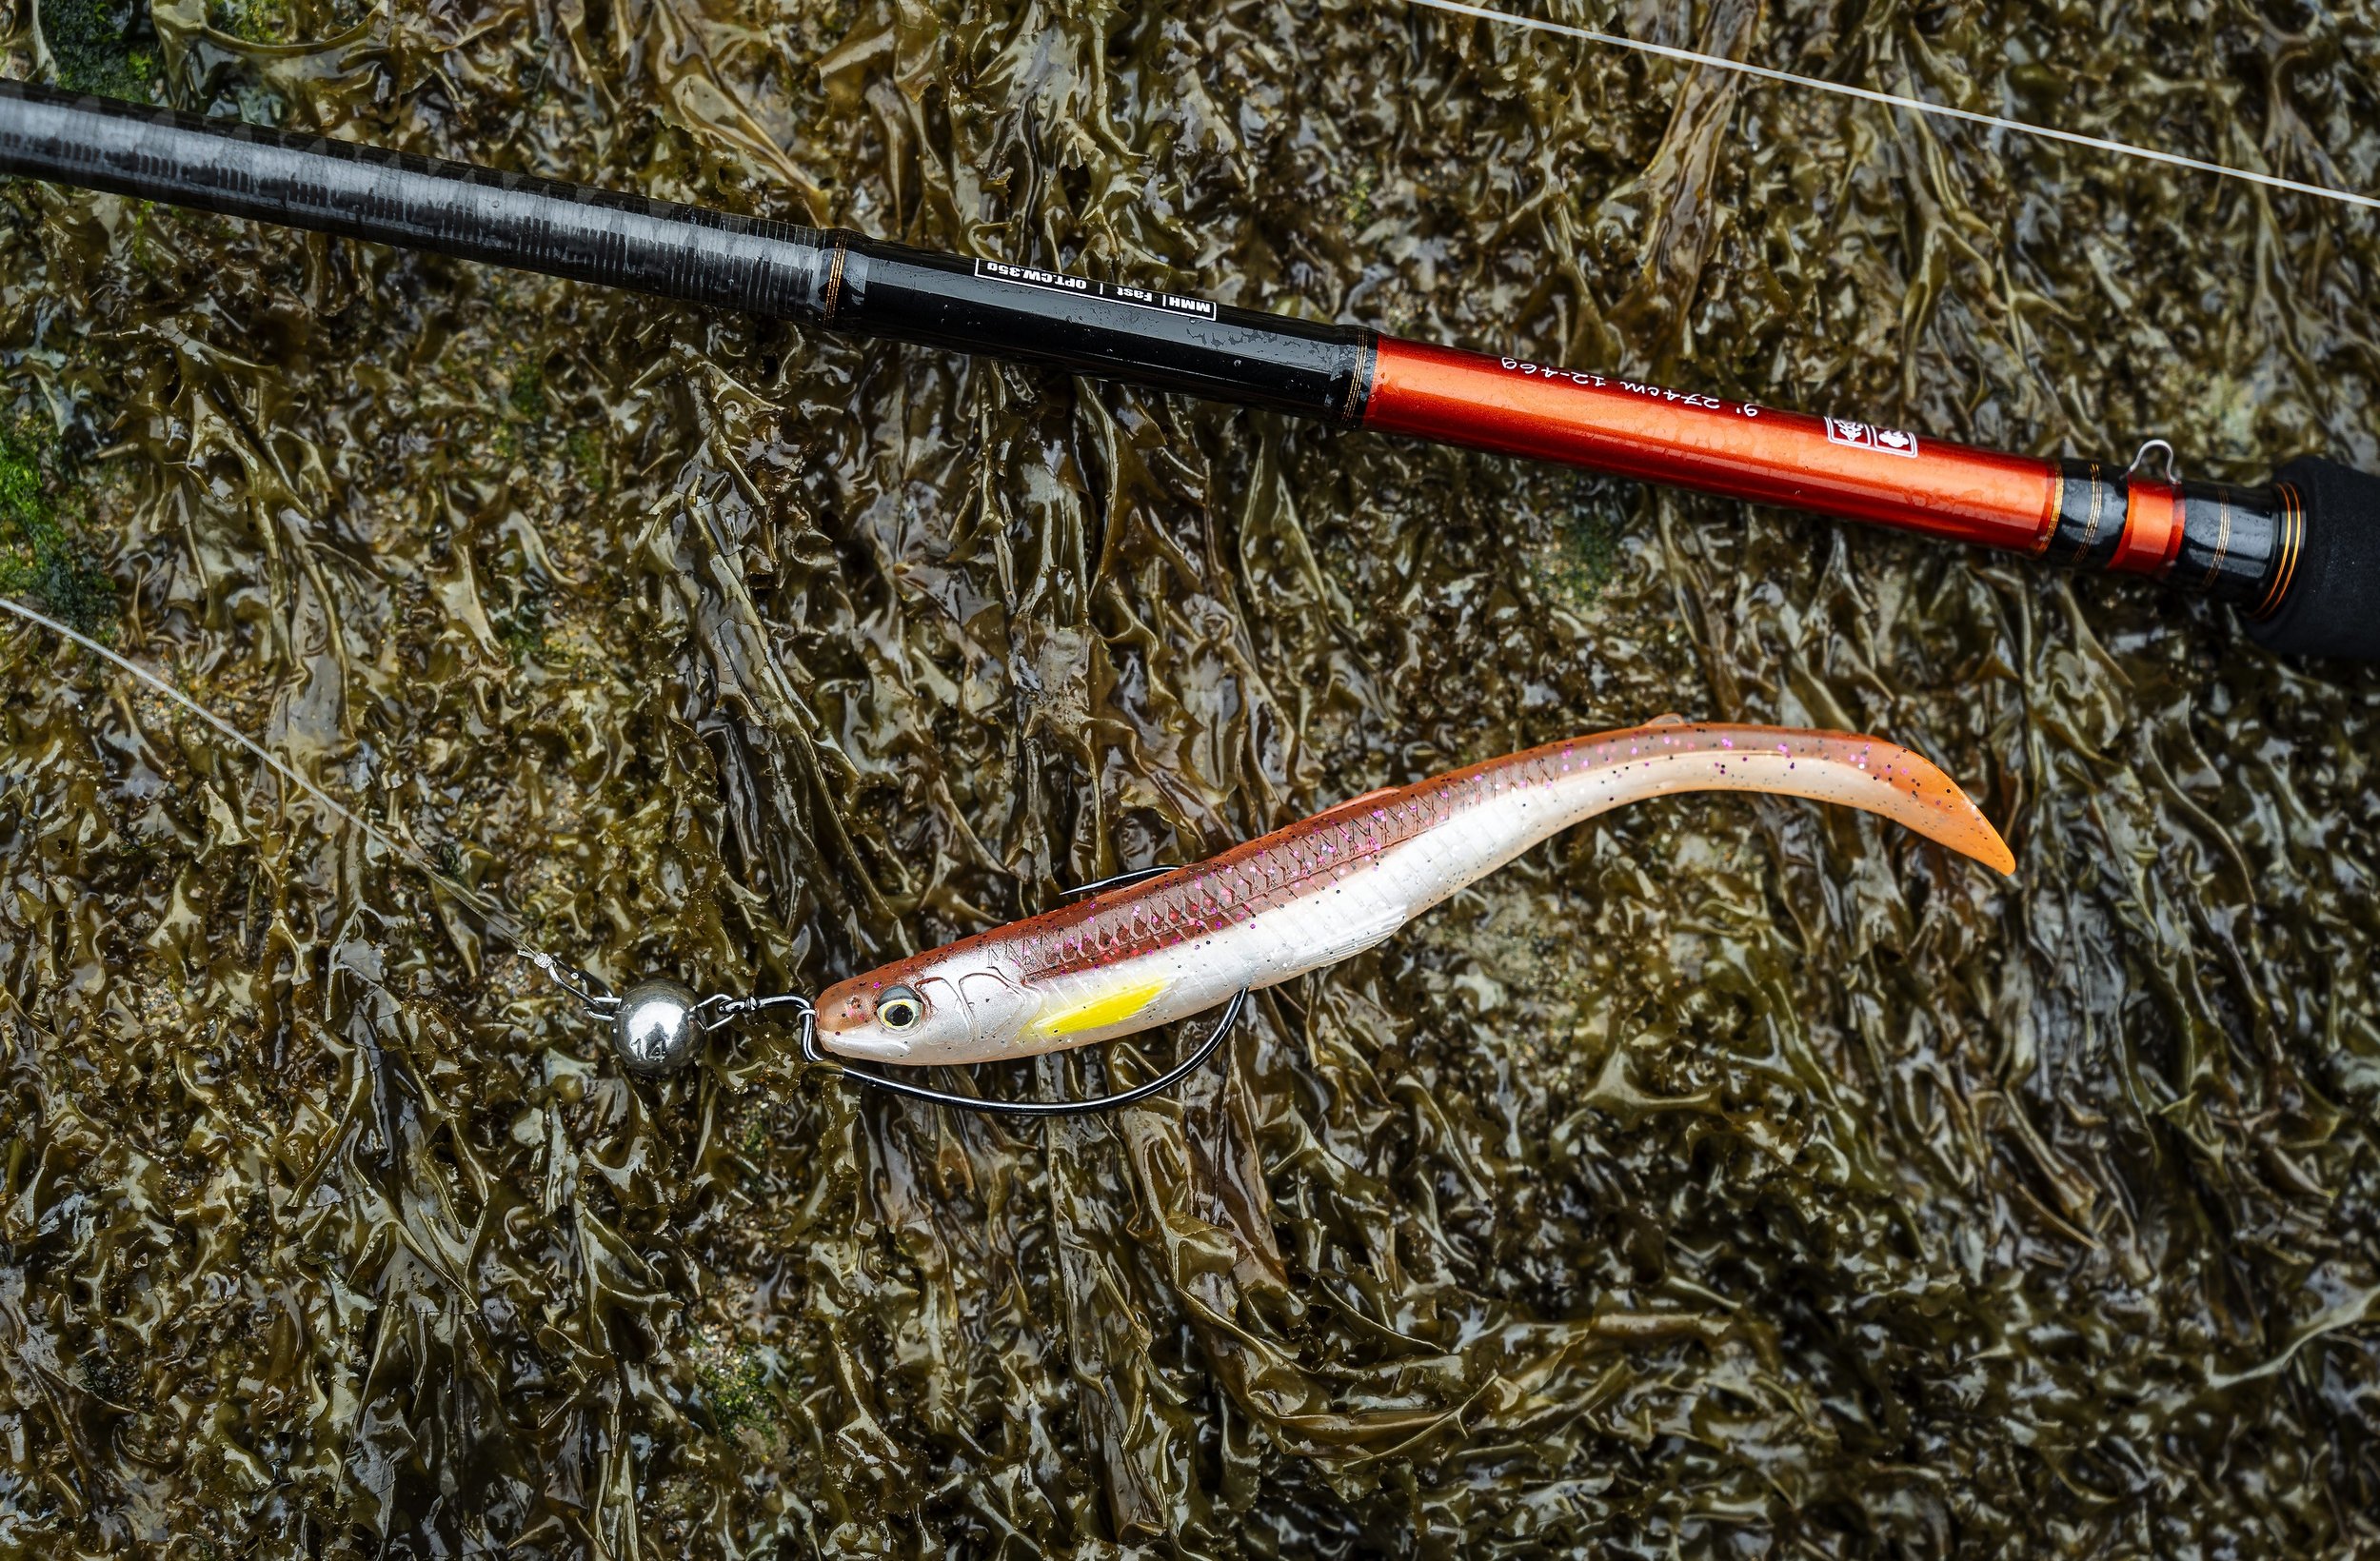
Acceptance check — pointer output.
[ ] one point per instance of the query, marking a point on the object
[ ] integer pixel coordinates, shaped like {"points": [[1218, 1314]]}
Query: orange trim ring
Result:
{"points": [[1738, 449], [2152, 529], [2057, 503], [2292, 533]]}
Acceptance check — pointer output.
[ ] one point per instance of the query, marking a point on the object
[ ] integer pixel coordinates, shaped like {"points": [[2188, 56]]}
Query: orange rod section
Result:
{"points": [[1835, 466]]}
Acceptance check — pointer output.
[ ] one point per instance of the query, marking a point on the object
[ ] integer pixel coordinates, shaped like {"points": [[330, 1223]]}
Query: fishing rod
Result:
{"points": [[2299, 556]]}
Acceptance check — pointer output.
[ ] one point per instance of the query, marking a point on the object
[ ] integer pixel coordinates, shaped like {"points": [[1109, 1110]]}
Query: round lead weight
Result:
{"points": [[656, 1030]]}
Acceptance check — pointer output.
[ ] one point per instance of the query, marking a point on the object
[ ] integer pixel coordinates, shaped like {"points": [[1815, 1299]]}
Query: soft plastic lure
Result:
{"points": [[1130, 959]]}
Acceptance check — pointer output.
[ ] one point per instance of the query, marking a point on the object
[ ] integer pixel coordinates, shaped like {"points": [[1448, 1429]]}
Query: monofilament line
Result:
{"points": [[1894, 100], [500, 923]]}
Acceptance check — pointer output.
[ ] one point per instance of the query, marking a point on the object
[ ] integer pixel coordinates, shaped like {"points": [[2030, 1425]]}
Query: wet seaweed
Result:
{"points": [[1729, 1178]]}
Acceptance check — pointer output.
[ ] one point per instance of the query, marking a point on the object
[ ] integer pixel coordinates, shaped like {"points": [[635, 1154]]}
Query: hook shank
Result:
{"points": [[812, 1052]]}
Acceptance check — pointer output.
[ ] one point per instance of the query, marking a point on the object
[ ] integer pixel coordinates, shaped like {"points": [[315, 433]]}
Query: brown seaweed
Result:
{"points": [[1730, 1179]]}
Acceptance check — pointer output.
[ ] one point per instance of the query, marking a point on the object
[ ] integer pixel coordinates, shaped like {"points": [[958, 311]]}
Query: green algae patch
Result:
{"points": [[737, 1384], [106, 46], [1578, 521], [254, 21], [44, 552]]}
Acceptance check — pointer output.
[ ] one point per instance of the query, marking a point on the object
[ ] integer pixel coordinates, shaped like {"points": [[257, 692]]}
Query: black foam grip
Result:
{"points": [[713, 258], [2332, 606]]}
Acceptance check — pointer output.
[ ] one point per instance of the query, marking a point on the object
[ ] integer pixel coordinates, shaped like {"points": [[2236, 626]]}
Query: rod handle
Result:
{"points": [[2329, 604]]}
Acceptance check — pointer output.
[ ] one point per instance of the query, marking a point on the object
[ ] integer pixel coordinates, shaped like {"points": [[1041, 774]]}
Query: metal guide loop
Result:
{"points": [[2173, 462]]}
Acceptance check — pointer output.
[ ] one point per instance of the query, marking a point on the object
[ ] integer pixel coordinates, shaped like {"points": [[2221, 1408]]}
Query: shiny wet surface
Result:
{"points": [[1730, 1178]]}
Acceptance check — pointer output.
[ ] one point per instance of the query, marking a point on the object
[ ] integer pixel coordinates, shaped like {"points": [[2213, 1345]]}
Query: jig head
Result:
{"points": [[655, 1025]]}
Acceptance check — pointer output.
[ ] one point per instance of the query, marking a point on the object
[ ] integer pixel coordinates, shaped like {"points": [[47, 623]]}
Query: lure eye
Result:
{"points": [[900, 1009]]}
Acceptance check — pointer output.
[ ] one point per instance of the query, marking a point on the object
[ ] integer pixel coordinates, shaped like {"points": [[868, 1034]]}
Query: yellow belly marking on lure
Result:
{"points": [[1101, 1011]]}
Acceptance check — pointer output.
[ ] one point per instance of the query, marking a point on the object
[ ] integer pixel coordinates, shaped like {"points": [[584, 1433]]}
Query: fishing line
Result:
{"points": [[500, 921], [1894, 100]]}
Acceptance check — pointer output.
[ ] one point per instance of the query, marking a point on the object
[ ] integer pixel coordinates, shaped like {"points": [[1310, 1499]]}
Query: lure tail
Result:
{"points": [[1861, 772]]}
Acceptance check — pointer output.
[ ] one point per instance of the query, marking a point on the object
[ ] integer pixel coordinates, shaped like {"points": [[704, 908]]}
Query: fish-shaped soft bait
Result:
{"points": [[1316, 892]]}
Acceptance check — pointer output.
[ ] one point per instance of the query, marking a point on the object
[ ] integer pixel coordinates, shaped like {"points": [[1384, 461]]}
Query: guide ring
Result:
{"points": [[2172, 466]]}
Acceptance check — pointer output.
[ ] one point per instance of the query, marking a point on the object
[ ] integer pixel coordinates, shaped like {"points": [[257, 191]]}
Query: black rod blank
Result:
{"points": [[687, 254]]}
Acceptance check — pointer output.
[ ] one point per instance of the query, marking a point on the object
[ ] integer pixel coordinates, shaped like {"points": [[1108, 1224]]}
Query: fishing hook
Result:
{"points": [[812, 1052], [593, 996]]}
